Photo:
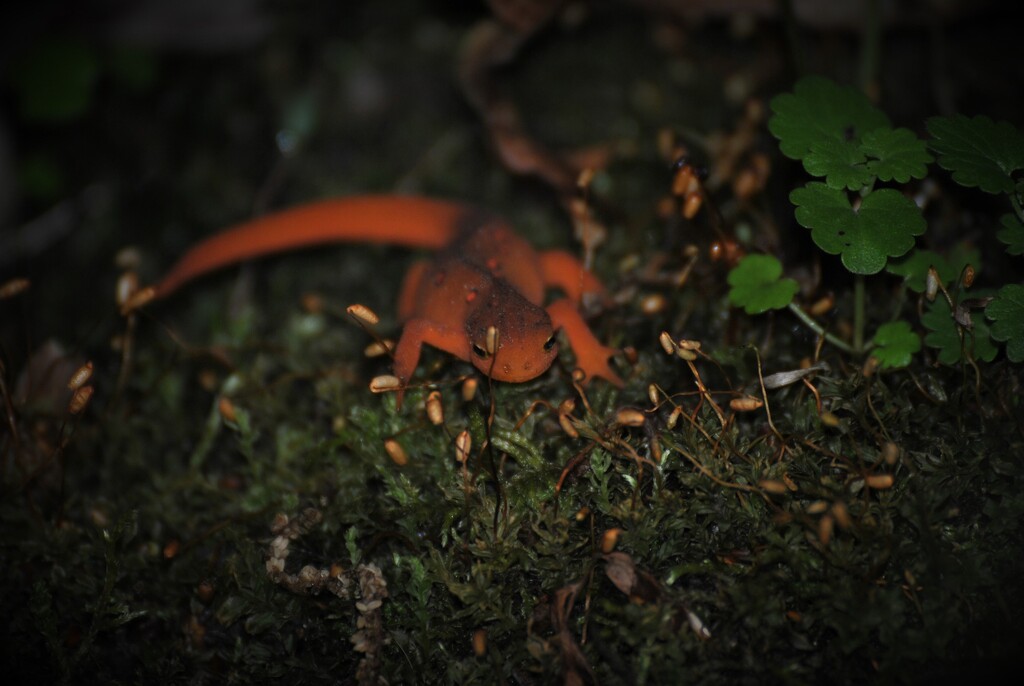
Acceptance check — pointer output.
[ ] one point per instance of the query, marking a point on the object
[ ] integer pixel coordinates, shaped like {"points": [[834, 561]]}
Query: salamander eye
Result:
{"points": [[479, 352], [550, 342]]}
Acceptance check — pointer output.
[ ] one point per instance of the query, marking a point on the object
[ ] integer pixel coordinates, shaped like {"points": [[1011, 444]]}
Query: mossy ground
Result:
{"points": [[882, 542]]}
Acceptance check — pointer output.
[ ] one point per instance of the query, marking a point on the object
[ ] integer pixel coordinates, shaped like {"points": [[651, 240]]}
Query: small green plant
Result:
{"points": [[842, 139]]}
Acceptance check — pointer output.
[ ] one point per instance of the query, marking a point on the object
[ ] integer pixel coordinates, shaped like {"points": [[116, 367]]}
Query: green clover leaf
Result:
{"points": [[1012, 234], [883, 226], [756, 286], [978, 151], [900, 154], [840, 162], [895, 344], [819, 111], [1007, 313]]}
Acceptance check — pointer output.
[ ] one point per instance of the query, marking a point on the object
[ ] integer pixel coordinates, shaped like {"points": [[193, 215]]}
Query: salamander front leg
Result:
{"points": [[414, 335], [591, 355]]}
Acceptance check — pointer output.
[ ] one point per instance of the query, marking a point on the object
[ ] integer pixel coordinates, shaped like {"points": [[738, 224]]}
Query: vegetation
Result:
{"points": [[812, 474]]}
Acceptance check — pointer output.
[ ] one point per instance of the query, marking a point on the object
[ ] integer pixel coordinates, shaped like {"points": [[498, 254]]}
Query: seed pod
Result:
{"points": [[396, 452], [227, 409], [138, 299], [435, 409], [653, 304], [691, 206], [80, 399], [469, 389], [826, 525], [491, 340], [13, 288], [127, 286], [772, 486], [879, 482], [629, 416], [567, 426], [745, 404], [667, 343], [480, 642], [379, 348], [81, 375], [384, 382], [363, 313], [463, 444], [609, 539]]}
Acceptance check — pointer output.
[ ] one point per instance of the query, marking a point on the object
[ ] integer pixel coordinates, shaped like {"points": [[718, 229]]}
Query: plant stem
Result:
{"points": [[819, 329], [858, 312], [871, 49]]}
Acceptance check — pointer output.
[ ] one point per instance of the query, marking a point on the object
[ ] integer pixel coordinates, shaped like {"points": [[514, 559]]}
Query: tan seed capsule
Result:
{"points": [[890, 453], [667, 343], [363, 314], [227, 409], [578, 375], [688, 344], [80, 399], [480, 642], [463, 444], [81, 375], [13, 287], [379, 348], [137, 300], [879, 482], [673, 418], [396, 452], [772, 486], [171, 549], [841, 514], [582, 513], [629, 416], [567, 426], [435, 408], [822, 305], [127, 286], [469, 389], [829, 419], [687, 355], [312, 303], [790, 484], [567, 406], [746, 403], [609, 539], [967, 278], [691, 206], [652, 393], [585, 178], [654, 303], [491, 340], [931, 284], [384, 383], [826, 525], [817, 507]]}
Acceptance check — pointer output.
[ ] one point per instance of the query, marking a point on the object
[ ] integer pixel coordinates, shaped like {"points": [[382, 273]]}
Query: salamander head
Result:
{"points": [[521, 332]]}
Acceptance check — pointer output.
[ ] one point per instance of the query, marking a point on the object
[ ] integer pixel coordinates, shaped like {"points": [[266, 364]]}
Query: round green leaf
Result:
{"points": [[978, 151], [1012, 234], [900, 155], [840, 162], [895, 344], [820, 110], [1007, 313], [883, 226], [756, 286]]}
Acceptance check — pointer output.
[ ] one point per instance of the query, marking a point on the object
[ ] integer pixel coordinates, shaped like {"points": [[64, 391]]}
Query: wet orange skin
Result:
{"points": [[483, 276]]}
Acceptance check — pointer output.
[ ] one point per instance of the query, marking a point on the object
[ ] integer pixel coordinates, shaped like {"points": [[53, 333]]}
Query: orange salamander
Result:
{"points": [[483, 275]]}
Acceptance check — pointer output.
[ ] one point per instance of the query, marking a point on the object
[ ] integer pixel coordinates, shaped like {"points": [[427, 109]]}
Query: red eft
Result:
{"points": [[483, 275]]}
